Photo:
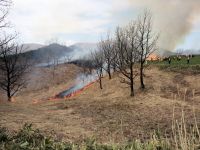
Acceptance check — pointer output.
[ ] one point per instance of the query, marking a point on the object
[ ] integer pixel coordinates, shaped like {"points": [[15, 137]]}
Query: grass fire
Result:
{"points": [[83, 81], [99, 75]]}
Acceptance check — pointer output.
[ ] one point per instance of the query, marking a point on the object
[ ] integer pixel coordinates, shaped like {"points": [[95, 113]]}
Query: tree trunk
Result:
{"points": [[9, 95], [114, 68], [132, 82], [8, 87], [100, 78], [109, 72], [100, 83], [132, 88], [142, 77]]}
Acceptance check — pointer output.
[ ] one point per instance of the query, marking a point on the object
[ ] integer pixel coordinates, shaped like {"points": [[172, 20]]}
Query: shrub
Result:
{"points": [[27, 138]]}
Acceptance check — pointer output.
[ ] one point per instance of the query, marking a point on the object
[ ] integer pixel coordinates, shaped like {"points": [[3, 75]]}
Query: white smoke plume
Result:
{"points": [[174, 19]]}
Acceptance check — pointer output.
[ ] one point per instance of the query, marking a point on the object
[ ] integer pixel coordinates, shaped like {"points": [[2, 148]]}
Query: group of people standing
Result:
{"points": [[178, 58]]}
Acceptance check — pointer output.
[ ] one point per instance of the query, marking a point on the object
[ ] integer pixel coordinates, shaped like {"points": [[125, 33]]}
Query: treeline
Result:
{"points": [[125, 50]]}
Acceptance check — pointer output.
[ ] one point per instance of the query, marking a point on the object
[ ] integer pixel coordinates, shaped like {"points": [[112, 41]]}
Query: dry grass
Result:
{"points": [[42, 85], [110, 114]]}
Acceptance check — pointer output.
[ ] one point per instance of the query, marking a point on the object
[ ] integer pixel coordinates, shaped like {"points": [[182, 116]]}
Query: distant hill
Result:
{"points": [[31, 46], [191, 52], [45, 55], [48, 53]]}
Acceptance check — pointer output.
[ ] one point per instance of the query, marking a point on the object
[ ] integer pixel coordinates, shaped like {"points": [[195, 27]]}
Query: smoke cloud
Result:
{"points": [[174, 19]]}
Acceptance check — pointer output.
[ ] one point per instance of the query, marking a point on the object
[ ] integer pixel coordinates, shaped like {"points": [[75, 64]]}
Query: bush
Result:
{"points": [[29, 139], [32, 139]]}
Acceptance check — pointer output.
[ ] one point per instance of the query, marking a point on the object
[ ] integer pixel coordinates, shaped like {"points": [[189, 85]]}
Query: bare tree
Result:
{"points": [[107, 46], [54, 65], [98, 62], [147, 39], [127, 53], [68, 58], [4, 9], [87, 65], [114, 58], [12, 69]]}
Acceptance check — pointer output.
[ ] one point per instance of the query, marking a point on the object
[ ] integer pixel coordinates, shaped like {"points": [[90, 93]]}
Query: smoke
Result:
{"points": [[82, 80], [173, 19]]}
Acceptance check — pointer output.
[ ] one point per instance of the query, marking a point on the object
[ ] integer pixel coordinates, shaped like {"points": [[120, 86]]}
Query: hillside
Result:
{"points": [[30, 46], [56, 52], [110, 115], [48, 53]]}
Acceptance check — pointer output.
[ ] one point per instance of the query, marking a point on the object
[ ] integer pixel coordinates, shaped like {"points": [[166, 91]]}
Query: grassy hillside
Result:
{"points": [[110, 115]]}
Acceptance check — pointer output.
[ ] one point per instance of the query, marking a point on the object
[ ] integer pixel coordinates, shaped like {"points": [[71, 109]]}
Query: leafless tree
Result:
{"points": [[127, 53], [98, 62], [13, 67], [107, 46], [179, 52], [54, 65], [87, 65], [68, 58], [4, 9], [114, 58], [147, 40]]}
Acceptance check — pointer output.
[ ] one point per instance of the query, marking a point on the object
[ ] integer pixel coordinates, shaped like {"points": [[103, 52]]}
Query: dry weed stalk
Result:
{"points": [[184, 137]]}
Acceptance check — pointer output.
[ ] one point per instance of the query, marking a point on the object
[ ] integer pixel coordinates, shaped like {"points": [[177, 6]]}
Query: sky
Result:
{"points": [[72, 21]]}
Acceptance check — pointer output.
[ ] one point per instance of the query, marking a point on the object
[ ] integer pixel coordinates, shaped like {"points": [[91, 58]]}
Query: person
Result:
{"points": [[169, 60], [179, 58], [188, 59]]}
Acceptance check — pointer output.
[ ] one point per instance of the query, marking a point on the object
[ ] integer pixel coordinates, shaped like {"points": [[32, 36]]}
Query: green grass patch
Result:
{"points": [[180, 66], [32, 139], [195, 60], [181, 69]]}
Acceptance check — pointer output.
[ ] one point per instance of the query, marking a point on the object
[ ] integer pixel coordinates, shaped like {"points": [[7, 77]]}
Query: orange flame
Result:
{"points": [[80, 90], [55, 98]]}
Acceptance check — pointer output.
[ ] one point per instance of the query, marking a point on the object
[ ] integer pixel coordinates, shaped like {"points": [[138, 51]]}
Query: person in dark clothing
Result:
{"points": [[169, 60], [188, 59], [179, 58]]}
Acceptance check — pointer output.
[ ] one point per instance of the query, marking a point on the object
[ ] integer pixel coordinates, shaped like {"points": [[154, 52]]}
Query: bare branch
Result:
{"points": [[13, 67]]}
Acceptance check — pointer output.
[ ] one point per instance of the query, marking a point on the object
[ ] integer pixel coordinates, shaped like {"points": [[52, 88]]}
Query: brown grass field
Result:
{"points": [[109, 115]]}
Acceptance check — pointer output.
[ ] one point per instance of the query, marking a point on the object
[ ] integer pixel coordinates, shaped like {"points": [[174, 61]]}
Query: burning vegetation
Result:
{"points": [[74, 90]]}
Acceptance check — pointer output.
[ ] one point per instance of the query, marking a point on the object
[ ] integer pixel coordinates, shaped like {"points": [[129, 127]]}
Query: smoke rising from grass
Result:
{"points": [[174, 19]]}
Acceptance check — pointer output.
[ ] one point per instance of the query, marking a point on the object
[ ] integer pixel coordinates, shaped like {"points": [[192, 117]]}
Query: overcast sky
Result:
{"points": [[71, 21]]}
